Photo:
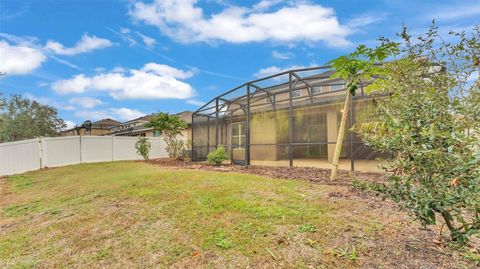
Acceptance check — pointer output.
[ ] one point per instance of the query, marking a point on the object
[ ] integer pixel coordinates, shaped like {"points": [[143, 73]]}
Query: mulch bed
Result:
{"points": [[312, 174]]}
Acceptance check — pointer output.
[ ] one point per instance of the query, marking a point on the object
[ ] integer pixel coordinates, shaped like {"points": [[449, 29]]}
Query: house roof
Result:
{"points": [[186, 116], [142, 118], [100, 124], [105, 123]]}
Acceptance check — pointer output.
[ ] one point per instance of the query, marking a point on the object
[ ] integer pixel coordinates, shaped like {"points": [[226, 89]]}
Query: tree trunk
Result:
{"points": [[341, 134], [455, 234]]}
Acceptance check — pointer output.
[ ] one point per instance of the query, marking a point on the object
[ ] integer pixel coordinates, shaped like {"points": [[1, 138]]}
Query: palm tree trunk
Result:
{"points": [[341, 135]]}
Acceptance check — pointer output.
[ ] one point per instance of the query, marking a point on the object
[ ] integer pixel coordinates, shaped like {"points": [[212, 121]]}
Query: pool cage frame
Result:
{"points": [[219, 109]]}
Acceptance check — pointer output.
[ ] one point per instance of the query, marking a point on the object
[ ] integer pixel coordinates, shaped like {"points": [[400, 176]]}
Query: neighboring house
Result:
{"points": [[101, 127], [272, 119], [136, 127], [187, 117]]}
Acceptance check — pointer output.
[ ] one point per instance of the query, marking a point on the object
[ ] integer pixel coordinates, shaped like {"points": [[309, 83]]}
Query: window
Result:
{"points": [[238, 134], [317, 89], [156, 133], [296, 93], [336, 86]]}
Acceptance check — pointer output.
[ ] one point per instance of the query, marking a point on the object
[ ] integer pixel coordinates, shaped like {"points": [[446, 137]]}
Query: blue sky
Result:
{"points": [[122, 59]]}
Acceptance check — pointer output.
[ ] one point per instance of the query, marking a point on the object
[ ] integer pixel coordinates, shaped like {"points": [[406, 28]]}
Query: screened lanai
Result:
{"points": [[287, 119]]}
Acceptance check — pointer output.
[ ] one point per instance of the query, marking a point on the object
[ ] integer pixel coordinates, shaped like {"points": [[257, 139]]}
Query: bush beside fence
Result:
{"points": [[28, 155]]}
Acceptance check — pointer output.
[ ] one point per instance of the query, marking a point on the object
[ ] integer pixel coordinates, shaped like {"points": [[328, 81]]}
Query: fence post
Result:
{"points": [[41, 153], [113, 144], [81, 148]]}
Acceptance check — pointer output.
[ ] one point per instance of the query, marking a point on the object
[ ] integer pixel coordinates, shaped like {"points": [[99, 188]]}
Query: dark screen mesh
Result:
{"points": [[199, 137], [309, 109]]}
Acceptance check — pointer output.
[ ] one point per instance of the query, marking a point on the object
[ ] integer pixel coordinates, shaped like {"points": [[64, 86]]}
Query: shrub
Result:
{"points": [[143, 147], [218, 156], [429, 125]]}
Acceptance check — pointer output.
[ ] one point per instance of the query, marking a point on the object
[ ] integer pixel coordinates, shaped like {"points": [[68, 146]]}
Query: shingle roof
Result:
{"points": [[186, 116], [143, 118], [106, 123]]}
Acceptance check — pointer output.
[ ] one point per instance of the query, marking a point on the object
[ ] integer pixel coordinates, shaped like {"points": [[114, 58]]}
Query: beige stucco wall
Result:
{"points": [[187, 133], [332, 133]]}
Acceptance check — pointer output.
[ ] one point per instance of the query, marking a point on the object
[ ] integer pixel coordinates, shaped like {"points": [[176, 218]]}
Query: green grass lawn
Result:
{"points": [[135, 215]]}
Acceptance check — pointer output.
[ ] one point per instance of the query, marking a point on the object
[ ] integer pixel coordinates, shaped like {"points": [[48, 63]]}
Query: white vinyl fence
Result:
{"points": [[27, 155]]}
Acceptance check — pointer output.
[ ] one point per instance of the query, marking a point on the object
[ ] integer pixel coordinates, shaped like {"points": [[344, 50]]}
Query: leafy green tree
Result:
{"points": [[22, 118], [170, 127], [355, 69], [430, 126], [143, 147], [2, 116]]}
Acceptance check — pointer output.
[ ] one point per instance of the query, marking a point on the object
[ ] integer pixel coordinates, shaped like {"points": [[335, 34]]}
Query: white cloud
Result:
{"points": [[366, 19], [94, 115], [48, 101], [124, 34], [99, 69], [70, 124], [119, 69], [266, 4], [67, 107], [281, 55], [85, 44], [195, 102], [124, 30], [165, 70], [122, 114], [86, 102], [128, 36], [76, 84], [64, 62], [153, 81], [20, 59], [43, 84], [185, 22], [28, 41], [149, 42], [126, 113], [33, 43], [272, 70]]}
